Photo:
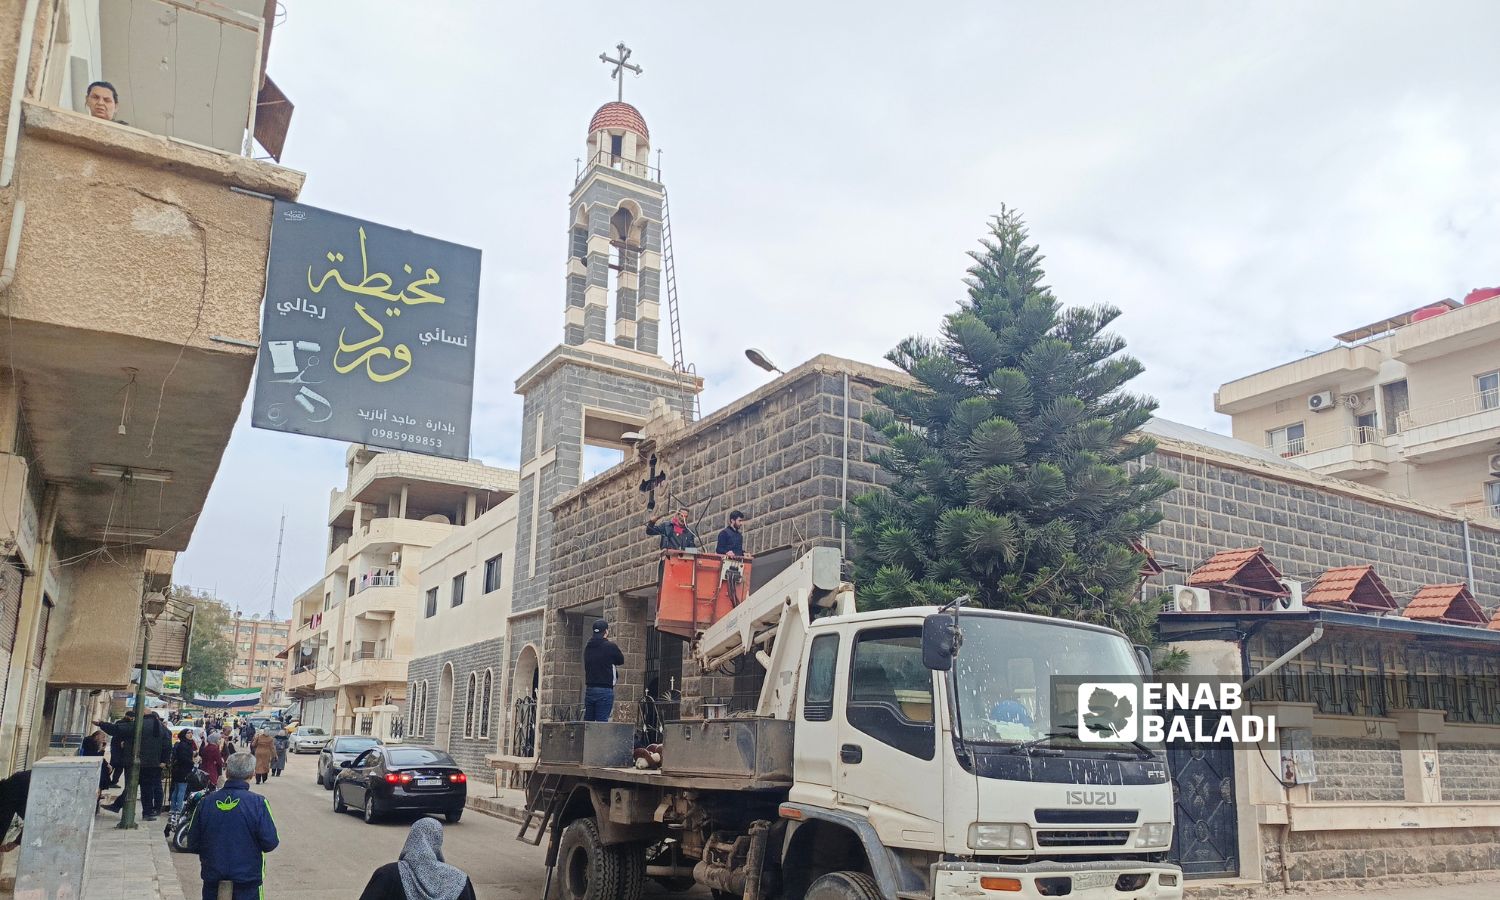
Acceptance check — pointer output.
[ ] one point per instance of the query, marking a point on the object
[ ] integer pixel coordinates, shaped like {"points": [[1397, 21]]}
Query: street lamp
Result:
{"points": [[761, 360]]}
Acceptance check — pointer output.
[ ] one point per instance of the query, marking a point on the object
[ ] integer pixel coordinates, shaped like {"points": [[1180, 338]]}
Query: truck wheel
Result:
{"points": [[588, 870], [843, 886]]}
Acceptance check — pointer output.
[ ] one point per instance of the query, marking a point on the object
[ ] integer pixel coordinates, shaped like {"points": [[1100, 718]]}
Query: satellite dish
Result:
{"points": [[306, 650]]}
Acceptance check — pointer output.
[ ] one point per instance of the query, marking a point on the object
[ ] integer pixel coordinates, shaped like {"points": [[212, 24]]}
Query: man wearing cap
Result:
{"points": [[600, 657]]}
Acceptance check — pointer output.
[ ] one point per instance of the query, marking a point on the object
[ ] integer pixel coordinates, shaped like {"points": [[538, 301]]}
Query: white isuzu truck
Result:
{"points": [[902, 754]]}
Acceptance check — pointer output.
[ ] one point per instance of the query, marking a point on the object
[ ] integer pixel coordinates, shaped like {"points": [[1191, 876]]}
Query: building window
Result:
{"points": [[492, 572], [1396, 401], [1366, 428], [458, 589], [431, 602], [485, 696], [1287, 441], [616, 145], [1489, 390], [470, 695], [1492, 497], [347, 646]]}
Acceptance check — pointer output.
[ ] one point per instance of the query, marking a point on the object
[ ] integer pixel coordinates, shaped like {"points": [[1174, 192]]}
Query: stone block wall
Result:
{"points": [[1309, 525], [777, 455], [1356, 769], [1469, 772], [478, 657], [1359, 858]]}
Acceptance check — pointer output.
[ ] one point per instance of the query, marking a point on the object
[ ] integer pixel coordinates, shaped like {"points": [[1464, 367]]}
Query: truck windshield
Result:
{"points": [[1004, 674]]}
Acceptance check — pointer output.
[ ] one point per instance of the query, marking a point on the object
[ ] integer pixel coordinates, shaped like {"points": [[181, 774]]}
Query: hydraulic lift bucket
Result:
{"points": [[698, 589]]}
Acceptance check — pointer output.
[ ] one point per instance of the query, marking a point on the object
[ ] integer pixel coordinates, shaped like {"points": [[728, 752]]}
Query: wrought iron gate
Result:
{"points": [[1206, 838]]}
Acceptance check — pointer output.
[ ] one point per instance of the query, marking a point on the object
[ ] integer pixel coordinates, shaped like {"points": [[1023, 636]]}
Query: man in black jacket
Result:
{"points": [[732, 539], [156, 748], [600, 656], [675, 534]]}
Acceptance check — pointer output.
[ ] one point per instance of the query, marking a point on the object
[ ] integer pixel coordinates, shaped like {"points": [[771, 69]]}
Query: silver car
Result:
{"points": [[339, 750], [308, 738]]}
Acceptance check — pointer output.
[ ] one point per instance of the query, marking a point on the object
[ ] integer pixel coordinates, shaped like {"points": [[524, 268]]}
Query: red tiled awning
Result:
{"points": [[1355, 588], [1450, 603], [1247, 570], [1495, 622]]}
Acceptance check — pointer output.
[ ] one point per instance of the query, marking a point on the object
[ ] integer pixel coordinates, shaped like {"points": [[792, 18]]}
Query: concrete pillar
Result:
{"points": [[21, 681], [405, 489], [1418, 730], [471, 507], [59, 826]]}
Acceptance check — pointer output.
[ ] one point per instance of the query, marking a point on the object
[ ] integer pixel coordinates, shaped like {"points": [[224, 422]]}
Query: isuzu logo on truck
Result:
{"points": [[1092, 798]]}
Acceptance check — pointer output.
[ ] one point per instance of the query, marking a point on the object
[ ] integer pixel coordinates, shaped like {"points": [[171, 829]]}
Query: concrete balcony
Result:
{"points": [[397, 533], [79, 345], [1452, 428], [1473, 325], [1352, 452], [302, 680], [1298, 379], [374, 669], [383, 599], [338, 560]]}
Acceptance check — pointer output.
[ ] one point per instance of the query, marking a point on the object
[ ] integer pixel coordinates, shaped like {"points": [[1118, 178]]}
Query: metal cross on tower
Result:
{"points": [[620, 65]]}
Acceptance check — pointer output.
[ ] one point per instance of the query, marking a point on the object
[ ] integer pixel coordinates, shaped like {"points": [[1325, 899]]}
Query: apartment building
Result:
{"points": [[455, 678], [259, 655], [353, 630], [1409, 404], [133, 270]]}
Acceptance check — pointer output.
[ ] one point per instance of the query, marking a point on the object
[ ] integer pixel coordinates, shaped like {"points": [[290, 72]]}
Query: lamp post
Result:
{"points": [[762, 361], [152, 605]]}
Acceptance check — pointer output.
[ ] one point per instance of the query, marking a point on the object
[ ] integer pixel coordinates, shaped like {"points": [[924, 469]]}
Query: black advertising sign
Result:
{"points": [[367, 334]]}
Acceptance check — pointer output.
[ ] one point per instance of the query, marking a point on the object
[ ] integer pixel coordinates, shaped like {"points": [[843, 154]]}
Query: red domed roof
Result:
{"points": [[619, 115]]}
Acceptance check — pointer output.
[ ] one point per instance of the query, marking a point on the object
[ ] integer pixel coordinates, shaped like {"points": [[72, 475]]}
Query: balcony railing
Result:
{"points": [[359, 655], [619, 164], [1326, 440], [1447, 410], [370, 581]]}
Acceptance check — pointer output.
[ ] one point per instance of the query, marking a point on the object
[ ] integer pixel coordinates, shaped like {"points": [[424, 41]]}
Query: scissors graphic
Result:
{"points": [[299, 378]]}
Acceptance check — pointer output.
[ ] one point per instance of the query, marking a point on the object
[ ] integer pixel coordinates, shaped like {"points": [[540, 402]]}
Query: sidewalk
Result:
{"points": [[129, 865]]}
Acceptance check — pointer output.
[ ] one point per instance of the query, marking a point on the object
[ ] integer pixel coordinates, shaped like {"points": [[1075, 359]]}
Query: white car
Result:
{"points": [[307, 738]]}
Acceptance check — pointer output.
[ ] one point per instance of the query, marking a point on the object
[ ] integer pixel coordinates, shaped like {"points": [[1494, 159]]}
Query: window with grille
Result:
{"points": [[469, 696], [485, 696]]}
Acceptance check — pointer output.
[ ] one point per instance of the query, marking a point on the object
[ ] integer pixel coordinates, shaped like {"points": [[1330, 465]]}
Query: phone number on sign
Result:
{"points": [[405, 438]]}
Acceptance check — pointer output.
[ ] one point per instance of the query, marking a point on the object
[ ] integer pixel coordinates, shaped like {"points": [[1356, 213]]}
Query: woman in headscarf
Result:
{"points": [[211, 758], [264, 749], [282, 740], [420, 873]]}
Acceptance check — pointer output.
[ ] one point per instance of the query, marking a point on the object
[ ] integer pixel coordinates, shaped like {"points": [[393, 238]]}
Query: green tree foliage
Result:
{"points": [[1009, 461], [210, 654]]}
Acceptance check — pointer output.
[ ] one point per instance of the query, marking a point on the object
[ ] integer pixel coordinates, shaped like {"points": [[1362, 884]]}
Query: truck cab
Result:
{"points": [[967, 778]]}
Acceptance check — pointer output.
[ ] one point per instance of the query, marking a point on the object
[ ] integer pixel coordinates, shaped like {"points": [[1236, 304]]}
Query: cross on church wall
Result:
{"points": [[620, 65]]}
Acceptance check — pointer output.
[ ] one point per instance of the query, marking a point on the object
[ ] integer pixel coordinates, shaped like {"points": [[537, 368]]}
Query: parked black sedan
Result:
{"points": [[401, 779]]}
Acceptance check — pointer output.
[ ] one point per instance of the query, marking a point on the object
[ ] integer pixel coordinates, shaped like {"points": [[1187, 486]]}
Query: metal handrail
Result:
{"points": [[361, 655], [1327, 440], [619, 164], [370, 581], [1447, 410]]}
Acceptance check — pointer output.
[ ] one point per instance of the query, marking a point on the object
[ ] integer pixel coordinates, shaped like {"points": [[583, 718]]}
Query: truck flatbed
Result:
{"points": [[657, 778]]}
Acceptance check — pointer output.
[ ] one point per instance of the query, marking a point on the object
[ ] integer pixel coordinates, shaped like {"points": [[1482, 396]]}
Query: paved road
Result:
{"points": [[329, 857]]}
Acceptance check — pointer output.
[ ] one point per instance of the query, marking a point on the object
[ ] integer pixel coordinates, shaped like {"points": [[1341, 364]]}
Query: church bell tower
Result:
{"points": [[603, 381]]}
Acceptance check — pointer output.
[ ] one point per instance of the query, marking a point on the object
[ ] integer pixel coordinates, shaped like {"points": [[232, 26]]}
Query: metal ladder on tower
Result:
{"points": [[669, 276]]}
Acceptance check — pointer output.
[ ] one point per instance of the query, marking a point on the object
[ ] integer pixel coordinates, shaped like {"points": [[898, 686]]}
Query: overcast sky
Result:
{"points": [[1243, 180]]}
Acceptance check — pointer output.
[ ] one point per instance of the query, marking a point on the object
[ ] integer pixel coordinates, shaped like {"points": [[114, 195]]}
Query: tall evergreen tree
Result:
{"points": [[1009, 460]]}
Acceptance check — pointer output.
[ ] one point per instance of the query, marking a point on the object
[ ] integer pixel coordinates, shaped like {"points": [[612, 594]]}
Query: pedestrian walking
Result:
{"points": [[212, 761], [183, 755], [264, 748], [118, 758], [283, 742], [420, 873], [233, 831], [247, 733]]}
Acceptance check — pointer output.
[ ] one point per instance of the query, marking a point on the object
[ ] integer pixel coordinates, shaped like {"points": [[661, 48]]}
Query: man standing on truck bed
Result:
{"points": [[600, 656], [732, 538]]}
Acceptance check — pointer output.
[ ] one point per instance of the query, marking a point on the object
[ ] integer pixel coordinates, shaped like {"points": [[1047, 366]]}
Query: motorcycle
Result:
{"points": [[180, 824]]}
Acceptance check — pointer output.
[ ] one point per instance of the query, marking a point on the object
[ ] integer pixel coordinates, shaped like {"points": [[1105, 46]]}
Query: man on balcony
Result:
{"points": [[102, 101]]}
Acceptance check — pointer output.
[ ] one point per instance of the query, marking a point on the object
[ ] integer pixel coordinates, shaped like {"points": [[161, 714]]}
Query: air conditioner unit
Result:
{"points": [[1495, 464], [1292, 602], [395, 557], [1322, 400], [1187, 599]]}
